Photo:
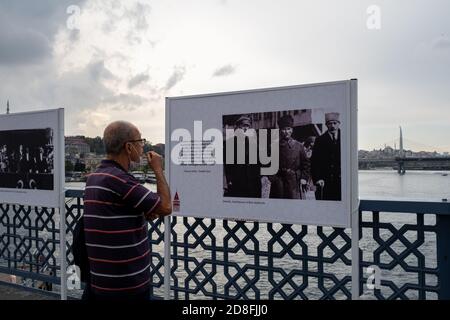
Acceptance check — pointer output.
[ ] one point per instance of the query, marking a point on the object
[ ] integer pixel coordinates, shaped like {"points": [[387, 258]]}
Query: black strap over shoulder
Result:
{"points": [[79, 250]]}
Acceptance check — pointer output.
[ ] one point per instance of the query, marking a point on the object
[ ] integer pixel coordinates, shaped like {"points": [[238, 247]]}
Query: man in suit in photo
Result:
{"points": [[41, 162], [326, 160], [242, 180]]}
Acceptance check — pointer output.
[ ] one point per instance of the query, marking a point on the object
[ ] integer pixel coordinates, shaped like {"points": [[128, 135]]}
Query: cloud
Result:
{"points": [[79, 89], [104, 66], [138, 79], [27, 29], [139, 14], [98, 71], [88, 119], [442, 43], [130, 13], [44, 16], [176, 77], [225, 70], [125, 101], [23, 47]]}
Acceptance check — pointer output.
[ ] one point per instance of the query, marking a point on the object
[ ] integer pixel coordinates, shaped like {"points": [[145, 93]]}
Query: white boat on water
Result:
{"points": [[139, 175], [150, 178]]}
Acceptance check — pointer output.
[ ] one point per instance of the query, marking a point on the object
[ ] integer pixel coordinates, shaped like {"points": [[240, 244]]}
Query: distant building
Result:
{"points": [[159, 148], [92, 161], [76, 145], [388, 151], [143, 162], [363, 154]]}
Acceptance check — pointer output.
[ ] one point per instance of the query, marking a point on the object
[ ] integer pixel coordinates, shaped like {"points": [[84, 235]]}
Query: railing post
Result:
{"points": [[167, 260], [62, 207], [356, 290], [443, 255], [62, 245]]}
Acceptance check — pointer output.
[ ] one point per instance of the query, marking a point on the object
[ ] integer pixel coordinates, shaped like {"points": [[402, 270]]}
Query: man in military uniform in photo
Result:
{"points": [[242, 180], [326, 160], [291, 178]]}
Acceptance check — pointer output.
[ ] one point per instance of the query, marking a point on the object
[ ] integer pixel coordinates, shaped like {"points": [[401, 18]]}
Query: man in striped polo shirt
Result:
{"points": [[116, 210]]}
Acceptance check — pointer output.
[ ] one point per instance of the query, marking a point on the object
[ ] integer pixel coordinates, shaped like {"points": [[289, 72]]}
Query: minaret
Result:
{"points": [[7, 107]]}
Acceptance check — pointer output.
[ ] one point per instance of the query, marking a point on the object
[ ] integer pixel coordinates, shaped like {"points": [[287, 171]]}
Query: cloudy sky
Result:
{"points": [[107, 60]]}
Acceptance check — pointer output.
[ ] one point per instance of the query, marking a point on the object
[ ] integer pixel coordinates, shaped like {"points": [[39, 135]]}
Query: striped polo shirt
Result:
{"points": [[116, 231]]}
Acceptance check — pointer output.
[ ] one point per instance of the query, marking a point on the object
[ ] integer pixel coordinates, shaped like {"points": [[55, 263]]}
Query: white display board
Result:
{"points": [[285, 154], [31, 158]]}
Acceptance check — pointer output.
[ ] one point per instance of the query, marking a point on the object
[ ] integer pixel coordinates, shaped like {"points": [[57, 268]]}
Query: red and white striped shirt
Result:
{"points": [[116, 230]]}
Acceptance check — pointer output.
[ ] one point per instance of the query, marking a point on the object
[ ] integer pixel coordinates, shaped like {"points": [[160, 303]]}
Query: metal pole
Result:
{"points": [[62, 207], [62, 245], [167, 219], [355, 255], [443, 255], [354, 195], [167, 260]]}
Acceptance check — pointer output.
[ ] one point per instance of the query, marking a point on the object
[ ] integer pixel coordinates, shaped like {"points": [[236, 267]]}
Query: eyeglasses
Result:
{"points": [[141, 141]]}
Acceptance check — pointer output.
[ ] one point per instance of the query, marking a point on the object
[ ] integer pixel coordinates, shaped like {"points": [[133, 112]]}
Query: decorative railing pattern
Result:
{"points": [[29, 244], [223, 259], [404, 243]]}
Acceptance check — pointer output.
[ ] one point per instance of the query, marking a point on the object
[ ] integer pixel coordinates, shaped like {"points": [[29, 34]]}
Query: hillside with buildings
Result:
{"points": [[84, 154], [391, 153]]}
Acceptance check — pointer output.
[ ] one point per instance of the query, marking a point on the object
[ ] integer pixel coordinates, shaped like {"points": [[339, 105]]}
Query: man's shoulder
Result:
{"points": [[297, 144], [324, 137], [110, 173]]}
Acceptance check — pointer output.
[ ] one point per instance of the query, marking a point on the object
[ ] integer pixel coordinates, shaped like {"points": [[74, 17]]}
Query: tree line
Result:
{"points": [[96, 145]]}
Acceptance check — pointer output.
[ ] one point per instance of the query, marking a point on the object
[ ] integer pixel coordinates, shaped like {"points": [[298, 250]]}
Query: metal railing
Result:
{"points": [[404, 249]]}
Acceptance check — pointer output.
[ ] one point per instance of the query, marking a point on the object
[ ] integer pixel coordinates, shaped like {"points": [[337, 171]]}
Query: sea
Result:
{"points": [[385, 185]]}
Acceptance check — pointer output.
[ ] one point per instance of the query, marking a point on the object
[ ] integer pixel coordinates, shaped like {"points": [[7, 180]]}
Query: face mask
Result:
{"points": [[129, 156]]}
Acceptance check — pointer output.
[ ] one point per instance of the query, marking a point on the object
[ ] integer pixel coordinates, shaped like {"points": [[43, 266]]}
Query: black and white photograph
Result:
{"points": [[27, 159], [284, 154], [309, 155]]}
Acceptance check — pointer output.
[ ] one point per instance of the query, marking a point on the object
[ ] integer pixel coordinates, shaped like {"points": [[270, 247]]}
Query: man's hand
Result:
{"points": [[154, 161], [151, 216], [164, 208], [303, 185], [320, 183]]}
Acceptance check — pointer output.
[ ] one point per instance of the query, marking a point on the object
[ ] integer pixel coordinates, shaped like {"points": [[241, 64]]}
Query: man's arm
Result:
{"points": [[164, 208]]}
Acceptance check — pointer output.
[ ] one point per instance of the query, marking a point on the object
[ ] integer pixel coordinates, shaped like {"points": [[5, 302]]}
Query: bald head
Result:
{"points": [[116, 134]]}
